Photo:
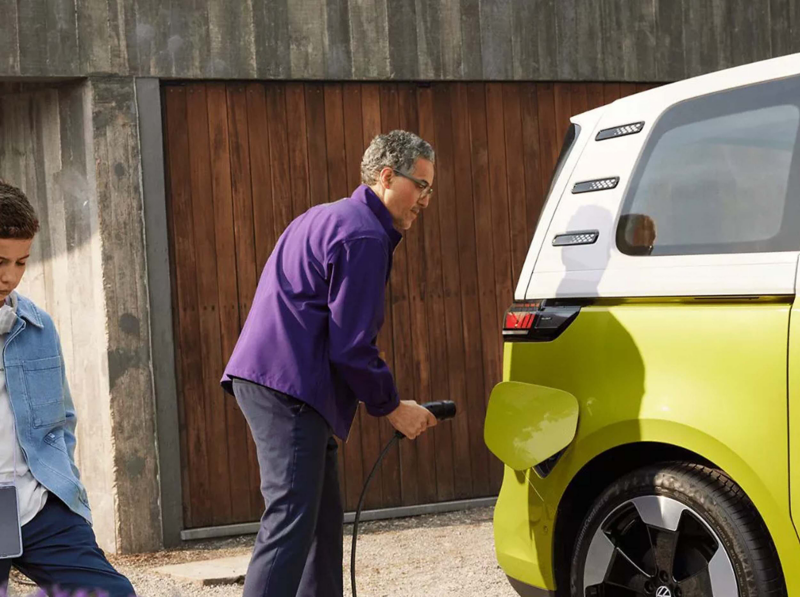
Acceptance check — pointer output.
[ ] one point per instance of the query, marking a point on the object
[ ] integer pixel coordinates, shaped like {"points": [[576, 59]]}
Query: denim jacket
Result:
{"points": [[43, 409]]}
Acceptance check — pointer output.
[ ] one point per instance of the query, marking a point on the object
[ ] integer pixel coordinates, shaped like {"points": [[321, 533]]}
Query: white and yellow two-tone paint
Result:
{"points": [[691, 358]]}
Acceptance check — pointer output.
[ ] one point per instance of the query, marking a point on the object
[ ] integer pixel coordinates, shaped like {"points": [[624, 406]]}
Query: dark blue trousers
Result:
{"points": [[60, 550], [298, 550]]}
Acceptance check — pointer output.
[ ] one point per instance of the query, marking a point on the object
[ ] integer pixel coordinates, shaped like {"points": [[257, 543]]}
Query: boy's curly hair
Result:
{"points": [[17, 217]]}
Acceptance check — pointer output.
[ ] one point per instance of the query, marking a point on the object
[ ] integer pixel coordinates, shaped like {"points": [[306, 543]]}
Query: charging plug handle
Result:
{"points": [[442, 410]]}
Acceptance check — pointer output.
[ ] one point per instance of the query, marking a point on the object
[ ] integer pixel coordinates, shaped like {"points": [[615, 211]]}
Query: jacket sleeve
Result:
{"points": [[357, 278], [71, 418]]}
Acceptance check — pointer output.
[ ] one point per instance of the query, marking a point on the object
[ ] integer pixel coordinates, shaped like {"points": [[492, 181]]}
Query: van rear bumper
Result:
{"points": [[526, 590]]}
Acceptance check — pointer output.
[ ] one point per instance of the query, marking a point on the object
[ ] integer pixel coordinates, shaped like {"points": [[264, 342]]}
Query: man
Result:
{"points": [[307, 356], [37, 432]]}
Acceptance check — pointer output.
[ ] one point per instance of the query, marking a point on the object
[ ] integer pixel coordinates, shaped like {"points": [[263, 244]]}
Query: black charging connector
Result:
{"points": [[442, 410]]}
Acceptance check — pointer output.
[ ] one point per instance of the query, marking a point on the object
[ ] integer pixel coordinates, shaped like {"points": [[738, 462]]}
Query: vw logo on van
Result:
{"points": [[663, 592]]}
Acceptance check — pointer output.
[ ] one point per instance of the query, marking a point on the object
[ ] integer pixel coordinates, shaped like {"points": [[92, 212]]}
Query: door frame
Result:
{"points": [[159, 283]]}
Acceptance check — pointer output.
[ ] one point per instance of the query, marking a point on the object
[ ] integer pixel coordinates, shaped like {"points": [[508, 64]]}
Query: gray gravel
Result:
{"points": [[436, 556]]}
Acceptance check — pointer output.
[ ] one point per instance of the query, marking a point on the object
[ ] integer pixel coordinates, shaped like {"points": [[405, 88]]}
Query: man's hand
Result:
{"points": [[411, 419]]}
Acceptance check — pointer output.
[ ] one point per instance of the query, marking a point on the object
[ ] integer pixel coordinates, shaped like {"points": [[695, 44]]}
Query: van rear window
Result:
{"points": [[719, 174]]}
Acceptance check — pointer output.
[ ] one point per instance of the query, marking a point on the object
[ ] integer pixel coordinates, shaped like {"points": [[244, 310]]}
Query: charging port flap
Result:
{"points": [[527, 424]]}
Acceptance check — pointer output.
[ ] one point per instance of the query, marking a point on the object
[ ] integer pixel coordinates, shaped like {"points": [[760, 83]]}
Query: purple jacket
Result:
{"points": [[318, 309]]}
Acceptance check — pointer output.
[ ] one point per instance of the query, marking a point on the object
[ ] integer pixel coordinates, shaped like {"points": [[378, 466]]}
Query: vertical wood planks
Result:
{"points": [[436, 467], [281, 182], [532, 159], [261, 175], [448, 337], [208, 302], [245, 493], [194, 456], [298, 147], [549, 132], [489, 261], [317, 149], [515, 180], [470, 288], [243, 460]]}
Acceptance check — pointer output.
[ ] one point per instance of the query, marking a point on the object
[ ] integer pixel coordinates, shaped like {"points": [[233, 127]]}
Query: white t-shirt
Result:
{"points": [[32, 494]]}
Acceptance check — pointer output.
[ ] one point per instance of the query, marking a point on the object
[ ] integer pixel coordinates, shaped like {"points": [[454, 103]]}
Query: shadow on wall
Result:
{"points": [[43, 150]]}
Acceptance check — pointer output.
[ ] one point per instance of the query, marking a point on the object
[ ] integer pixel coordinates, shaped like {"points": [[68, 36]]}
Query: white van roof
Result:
{"points": [[600, 268]]}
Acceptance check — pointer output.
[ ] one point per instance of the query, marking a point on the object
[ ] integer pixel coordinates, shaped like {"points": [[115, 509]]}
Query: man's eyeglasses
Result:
{"points": [[422, 185]]}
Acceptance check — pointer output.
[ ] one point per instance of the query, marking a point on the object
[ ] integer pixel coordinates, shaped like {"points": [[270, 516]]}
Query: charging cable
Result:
{"points": [[445, 409]]}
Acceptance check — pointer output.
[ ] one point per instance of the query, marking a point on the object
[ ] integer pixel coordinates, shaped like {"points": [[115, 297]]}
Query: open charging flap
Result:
{"points": [[526, 424]]}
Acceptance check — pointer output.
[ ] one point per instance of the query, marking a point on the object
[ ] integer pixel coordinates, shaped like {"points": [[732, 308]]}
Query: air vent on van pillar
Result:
{"points": [[582, 237], [620, 131], [600, 184]]}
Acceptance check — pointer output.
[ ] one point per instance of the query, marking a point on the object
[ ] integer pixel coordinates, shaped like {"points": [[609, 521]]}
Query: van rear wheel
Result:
{"points": [[675, 530]]}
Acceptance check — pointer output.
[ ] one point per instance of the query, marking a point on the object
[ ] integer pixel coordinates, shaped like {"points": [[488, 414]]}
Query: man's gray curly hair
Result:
{"points": [[398, 150]]}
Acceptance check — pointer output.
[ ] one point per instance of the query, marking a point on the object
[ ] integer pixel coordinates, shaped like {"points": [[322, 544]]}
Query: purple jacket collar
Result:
{"points": [[364, 194]]}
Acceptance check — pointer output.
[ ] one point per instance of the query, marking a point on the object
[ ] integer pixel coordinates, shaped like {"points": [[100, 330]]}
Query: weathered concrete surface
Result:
{"points": [[117, 174], [597, 40], [73, 149], [219, 571]]}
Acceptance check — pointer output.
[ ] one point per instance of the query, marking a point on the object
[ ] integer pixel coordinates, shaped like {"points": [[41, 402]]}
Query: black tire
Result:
{"points": [[702, 492]]}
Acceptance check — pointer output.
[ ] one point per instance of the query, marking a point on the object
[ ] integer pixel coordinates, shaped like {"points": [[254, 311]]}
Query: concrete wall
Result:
{"points": [[73, 148], [115, 137], [615, 40]]}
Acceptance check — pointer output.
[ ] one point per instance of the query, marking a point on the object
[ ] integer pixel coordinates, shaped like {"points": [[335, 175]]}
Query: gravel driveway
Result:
{"points": [[434, 556]]}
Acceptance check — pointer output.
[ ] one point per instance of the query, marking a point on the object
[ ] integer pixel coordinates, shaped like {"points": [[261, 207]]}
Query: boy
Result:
{"points": [[37, 432]]}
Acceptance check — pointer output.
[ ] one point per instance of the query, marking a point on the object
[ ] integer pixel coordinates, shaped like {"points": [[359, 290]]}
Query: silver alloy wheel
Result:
{"points": [[657, 546]]}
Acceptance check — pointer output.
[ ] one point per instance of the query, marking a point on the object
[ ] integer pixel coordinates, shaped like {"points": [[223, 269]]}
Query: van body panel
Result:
{"points": [[794, 411], [691, 338], [662, 372]]}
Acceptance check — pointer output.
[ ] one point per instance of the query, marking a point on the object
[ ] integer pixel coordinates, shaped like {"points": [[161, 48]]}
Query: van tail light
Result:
{"points": [[537, 321], [520, 318]]}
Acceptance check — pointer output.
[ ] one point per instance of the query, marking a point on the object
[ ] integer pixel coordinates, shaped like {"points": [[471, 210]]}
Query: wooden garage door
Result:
{"points": [[244, 159]]}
